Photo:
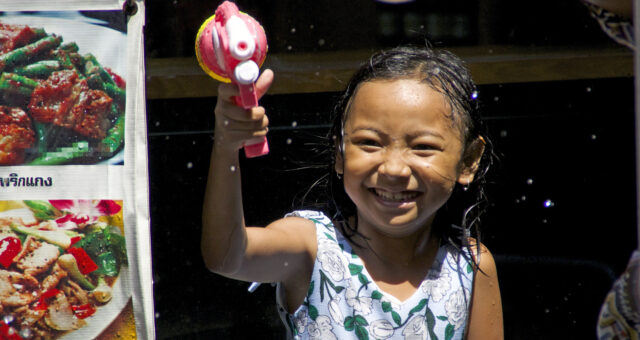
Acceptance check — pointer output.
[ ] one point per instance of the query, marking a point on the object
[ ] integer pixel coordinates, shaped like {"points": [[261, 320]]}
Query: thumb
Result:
{"points": [[264, 82]]}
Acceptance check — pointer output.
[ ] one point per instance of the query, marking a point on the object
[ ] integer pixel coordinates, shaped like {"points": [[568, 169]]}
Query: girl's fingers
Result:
{"points": [[226, 91], [236, 126], [245, 125], [230, 111]]}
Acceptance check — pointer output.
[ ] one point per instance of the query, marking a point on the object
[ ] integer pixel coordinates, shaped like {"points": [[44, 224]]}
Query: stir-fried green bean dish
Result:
{"points": [[57, 106]]}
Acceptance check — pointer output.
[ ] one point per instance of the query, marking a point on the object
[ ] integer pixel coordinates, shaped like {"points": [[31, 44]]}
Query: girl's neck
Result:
{"points": [[398, 251]]}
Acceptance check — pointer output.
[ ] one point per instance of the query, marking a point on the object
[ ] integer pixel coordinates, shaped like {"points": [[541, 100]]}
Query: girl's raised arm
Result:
{"points": [[228, 246]]}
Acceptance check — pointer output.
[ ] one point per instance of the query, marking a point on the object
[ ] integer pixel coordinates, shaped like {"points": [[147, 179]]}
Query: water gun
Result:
{"points": [[230, 47]]}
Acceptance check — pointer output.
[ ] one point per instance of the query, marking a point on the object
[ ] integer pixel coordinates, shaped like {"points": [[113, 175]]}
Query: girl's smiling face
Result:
{"points": [[402, 155]]}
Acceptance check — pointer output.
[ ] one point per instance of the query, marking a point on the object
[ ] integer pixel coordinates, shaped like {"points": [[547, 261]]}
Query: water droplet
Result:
{"points": [[503, 133], [232, 168], [189, 165], [293, 30], [548, 204], [321, 42], [294, 124], [530, 181], [289, 48], [289, 141]]}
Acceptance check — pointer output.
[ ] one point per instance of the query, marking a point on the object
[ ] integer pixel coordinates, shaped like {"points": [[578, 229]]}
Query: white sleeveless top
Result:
{"points": [[343, 302]]}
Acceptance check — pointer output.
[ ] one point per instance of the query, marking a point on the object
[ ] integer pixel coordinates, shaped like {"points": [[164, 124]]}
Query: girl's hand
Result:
{"points": [[236, 126]]}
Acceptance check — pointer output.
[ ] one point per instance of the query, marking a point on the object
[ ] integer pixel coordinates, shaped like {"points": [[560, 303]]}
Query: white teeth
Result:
{"points": [[396, 196]]}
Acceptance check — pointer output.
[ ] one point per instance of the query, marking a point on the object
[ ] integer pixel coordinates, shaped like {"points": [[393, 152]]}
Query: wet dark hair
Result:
{"points": [[446, 73]]}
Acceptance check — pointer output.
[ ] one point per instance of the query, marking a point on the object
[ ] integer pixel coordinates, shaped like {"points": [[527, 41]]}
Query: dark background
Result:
{"points": [[562, 218]]}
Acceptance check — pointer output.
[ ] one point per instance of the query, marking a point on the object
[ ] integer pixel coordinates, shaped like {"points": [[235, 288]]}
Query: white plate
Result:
{"points": [[104, 315], [109, 46]]}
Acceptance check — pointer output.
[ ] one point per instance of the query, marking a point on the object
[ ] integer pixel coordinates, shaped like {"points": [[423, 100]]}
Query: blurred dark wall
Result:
{"points": [[561, 224]]}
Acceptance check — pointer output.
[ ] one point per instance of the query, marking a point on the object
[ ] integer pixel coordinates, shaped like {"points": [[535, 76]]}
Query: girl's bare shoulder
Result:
{"points": [[295, 229]]}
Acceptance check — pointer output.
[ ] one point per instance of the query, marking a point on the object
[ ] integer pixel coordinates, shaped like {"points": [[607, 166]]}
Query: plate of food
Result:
{"points": [[63, 268], [62, 91]]}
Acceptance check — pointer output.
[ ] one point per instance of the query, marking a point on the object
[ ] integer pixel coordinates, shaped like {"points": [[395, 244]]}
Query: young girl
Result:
{"points": [[389, 264]]}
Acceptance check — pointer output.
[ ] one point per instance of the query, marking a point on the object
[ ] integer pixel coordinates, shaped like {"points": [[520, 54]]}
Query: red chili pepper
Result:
{"points": [[85, 263], [8, 333], [83, 311], [120, 82], [43, 301], [75, 240], [9, 247]]}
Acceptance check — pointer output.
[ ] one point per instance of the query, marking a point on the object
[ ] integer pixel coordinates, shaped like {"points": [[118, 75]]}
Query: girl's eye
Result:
{"points": [[368, 143], [423, 147]]}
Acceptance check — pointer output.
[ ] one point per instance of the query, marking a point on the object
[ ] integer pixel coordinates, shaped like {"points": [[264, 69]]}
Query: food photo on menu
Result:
{"points": [[63, 269], [62, 89]]}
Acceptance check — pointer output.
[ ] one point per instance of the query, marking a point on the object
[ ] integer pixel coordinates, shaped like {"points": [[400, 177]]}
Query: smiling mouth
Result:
{"points": [[402, 196]]}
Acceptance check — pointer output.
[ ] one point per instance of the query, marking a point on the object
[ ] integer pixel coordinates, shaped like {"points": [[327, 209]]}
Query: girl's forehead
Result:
{"points": [[415, 102], [399, 98]]}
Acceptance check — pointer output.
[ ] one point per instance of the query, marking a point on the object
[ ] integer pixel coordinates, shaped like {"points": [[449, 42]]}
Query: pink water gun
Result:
{"points": [[230, 47]]}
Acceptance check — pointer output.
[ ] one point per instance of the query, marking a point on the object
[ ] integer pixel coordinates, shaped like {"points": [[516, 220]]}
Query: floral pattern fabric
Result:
{"points": [[616, 27], [343, 302], [620, 314]]}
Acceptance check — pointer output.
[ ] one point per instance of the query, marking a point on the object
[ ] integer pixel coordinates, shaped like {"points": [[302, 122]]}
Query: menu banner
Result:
{"points": [[75, 255]]}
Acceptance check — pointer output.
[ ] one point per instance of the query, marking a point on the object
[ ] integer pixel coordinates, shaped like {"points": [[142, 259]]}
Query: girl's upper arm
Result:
{"points": [[485, 319], [284, 250]]}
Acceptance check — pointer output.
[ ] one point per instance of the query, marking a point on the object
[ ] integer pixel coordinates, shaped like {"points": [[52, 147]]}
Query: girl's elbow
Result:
{"points": [[218, 263]]}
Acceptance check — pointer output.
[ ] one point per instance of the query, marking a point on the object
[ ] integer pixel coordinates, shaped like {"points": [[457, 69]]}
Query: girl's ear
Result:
{"points": [[339, 166], [471, 161]]}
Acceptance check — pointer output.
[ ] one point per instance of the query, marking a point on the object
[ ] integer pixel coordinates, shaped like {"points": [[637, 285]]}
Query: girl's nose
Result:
{"points": [[394, 166]]}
